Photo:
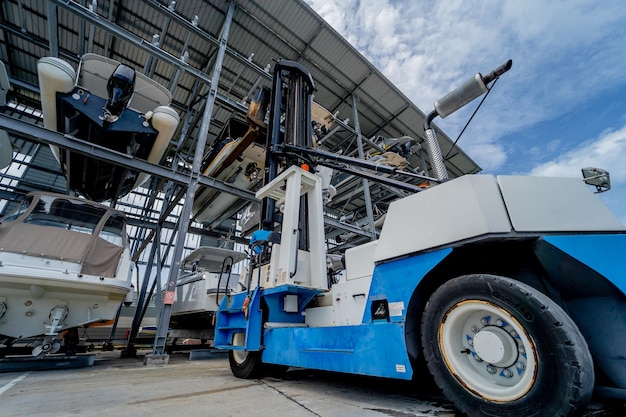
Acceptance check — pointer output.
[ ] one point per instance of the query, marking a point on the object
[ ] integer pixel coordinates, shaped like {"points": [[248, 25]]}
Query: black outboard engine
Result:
{"points": [[120, 88]]}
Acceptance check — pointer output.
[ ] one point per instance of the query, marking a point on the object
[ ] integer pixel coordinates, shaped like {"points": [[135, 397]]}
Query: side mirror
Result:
{"points": [[598, 178]]}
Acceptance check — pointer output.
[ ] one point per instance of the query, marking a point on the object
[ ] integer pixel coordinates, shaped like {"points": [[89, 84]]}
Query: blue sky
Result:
{"points": [[560, 108]]}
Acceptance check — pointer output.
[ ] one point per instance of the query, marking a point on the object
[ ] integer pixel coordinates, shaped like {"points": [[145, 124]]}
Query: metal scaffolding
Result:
{"points": [[182, 55]]}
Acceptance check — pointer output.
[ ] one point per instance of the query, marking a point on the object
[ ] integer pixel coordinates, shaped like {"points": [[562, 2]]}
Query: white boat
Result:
{"points": [[64, 263], [108, 104], [207, 275]]}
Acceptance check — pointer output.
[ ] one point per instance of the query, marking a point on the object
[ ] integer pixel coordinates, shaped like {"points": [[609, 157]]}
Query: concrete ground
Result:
{"points": [[189, 388]]}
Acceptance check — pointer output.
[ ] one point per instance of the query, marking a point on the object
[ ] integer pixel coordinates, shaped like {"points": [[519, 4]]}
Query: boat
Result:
{"points": [[64, 264], [108, 104], [207, 275], [238, 157]]}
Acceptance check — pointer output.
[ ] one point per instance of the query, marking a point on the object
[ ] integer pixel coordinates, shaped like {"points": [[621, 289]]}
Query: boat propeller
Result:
{"points": [[45, 346]]}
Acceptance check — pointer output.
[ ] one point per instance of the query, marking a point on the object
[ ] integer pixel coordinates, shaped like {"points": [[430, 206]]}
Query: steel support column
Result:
{"points": [[184, 219], [366, 185]]}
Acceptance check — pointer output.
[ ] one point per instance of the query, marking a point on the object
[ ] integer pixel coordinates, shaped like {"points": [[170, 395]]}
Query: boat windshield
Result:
{"points": [[66, 214], [113, 230], [19, 210]]}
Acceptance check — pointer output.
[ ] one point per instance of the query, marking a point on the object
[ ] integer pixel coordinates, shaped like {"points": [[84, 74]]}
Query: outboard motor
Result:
{"points": [[120, 88]]}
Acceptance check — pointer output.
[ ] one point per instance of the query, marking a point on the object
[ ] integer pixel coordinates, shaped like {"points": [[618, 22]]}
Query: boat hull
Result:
{"points": [[210, 204], [64, 263], [197, 295], [30, 293]]}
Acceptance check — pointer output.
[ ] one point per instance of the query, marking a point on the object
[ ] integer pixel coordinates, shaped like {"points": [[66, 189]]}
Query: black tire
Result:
{"points": [[244, 364], [496, 347]]}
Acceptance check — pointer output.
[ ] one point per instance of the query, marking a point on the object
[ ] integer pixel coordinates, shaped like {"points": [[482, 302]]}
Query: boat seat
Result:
{"points": [[96, 70]]}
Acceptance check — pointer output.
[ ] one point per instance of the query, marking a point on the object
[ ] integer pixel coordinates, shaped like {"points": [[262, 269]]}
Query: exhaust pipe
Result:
{"points": [[448, 104]]}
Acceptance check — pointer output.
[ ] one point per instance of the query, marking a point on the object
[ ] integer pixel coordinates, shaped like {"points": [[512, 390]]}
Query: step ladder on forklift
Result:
{"points": [[233, 329], [236, 329]]}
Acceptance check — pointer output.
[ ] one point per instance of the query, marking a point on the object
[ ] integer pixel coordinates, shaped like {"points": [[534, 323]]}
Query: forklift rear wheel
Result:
{"points": [[244, 364], [496, 346]]}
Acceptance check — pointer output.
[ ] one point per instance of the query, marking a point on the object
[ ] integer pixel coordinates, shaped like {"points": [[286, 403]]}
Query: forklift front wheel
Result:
{"points": [[244, 364], [496, 346]]}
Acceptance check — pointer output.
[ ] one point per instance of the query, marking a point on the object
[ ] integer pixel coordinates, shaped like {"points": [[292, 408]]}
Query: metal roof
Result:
{"points": [[176, 44]]}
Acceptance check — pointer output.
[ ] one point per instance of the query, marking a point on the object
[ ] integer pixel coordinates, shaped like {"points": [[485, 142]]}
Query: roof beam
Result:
{"points": [[136, 41], [193, 28]]}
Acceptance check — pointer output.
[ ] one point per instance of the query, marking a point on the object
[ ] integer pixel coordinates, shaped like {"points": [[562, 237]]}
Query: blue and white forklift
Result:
{"points": [[510, 289]]}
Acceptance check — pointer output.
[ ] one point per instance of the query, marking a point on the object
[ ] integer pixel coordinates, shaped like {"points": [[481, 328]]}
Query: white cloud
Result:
{"points": [[607, 152], [563, 52], [565, 55], [492, 154]]}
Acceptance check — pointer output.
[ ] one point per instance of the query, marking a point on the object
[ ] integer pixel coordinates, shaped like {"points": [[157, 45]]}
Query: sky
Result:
{"points": [[560, 108]]}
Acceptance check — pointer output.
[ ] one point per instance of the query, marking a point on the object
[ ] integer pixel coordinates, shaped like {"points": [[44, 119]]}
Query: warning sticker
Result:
{"points": [[396, 309], [169, 297]]}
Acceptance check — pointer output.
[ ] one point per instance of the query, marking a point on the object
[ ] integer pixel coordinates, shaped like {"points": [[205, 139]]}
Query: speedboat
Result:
{"points": [[108, 104], [64, 263], [207, 275]]}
